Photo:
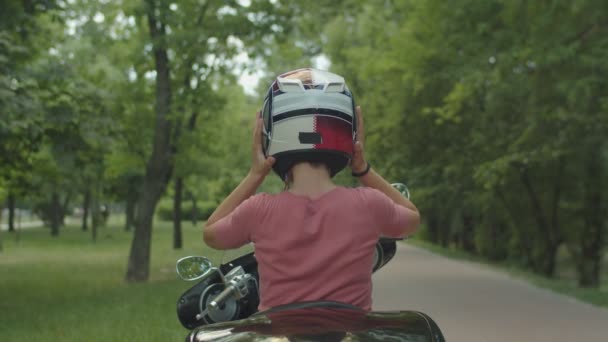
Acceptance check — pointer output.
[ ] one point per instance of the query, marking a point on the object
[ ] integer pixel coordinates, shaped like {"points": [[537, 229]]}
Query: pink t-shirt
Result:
{"points": [[319, 249]]}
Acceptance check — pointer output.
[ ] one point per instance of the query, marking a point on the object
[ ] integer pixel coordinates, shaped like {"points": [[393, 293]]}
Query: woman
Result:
{"points": [[315, 240]]}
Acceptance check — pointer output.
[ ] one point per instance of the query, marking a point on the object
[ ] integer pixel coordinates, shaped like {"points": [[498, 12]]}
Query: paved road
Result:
{"points": [[473, 303]]}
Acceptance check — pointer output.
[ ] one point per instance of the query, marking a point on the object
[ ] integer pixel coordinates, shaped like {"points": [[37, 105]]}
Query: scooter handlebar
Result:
{"points": [[221, 298]]}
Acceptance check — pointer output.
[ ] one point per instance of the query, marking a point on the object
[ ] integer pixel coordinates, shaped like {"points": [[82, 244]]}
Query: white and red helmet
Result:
{"points": [[309, 115]]}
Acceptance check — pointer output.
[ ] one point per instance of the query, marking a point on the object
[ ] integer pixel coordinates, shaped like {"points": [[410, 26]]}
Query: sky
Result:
{"points": [[249, 80]]}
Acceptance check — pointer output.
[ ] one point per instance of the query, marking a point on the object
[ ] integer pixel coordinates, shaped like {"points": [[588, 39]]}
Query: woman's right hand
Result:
{"points": [[372, 179], [260, 164], [358, 163]]}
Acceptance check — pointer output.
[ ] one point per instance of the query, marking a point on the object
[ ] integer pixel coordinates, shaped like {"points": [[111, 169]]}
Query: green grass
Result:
{"points": [[71, 289], [565, 283]]}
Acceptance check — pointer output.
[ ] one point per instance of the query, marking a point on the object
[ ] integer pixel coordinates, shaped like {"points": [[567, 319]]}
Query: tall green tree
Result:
{"points": [[489, 104], [186, 49], [22, 40]]}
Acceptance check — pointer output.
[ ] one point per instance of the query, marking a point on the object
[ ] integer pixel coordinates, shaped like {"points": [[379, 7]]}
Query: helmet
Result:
{"points": [[309, 115]]}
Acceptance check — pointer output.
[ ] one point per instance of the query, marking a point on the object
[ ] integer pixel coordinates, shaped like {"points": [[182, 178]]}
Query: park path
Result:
{"points": [[31, 224], [474, 303], [36, 223]]}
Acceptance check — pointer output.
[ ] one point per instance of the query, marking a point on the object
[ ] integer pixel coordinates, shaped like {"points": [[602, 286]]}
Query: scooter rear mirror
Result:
{"points": [[193, 267], [402, 188]]}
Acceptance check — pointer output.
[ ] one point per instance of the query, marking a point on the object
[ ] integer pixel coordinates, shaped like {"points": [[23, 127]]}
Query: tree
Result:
{"points": [[223, 28], [489, 106], [21, 124]]}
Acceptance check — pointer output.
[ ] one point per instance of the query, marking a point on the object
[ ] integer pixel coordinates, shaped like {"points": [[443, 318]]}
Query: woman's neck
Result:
{"points": [[310, 180]]}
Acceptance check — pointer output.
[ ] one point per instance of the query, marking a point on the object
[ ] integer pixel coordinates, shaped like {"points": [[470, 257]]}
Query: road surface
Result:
{"points": [[473, 303]]}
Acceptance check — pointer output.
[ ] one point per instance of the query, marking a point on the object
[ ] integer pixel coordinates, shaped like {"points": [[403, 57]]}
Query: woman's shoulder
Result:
{"points": [[266, 198], [364, 191], [358, 194], [261, 197]]}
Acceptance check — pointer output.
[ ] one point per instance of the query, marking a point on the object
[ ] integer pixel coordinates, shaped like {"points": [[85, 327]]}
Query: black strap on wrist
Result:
{"points": [[364, 172]]}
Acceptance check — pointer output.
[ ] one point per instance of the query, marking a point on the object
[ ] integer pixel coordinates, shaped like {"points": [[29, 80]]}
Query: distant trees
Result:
{"points": [[56, 119], [495, 113], [21, 115]]}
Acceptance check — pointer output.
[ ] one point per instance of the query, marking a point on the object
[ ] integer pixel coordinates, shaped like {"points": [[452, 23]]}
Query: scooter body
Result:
{"points": [[222, 306]]}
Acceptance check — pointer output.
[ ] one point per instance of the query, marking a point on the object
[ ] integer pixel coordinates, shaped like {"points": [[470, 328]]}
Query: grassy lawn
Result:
{"points": [[71, 289], [566, 274]]}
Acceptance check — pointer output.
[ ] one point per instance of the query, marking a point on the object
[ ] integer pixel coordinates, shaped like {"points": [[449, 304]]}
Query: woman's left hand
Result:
{"points": [[358, 162], [260, 164]]}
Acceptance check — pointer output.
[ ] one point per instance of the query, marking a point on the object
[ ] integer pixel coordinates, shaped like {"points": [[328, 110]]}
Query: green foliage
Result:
{"points": [[486, 109], [493, 112]]}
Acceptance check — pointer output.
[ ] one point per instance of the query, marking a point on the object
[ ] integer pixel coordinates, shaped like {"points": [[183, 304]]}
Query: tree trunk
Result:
{"points": [[444, 240], [85, 209], [553, 241], [11, 212], [445, 230], [547, 235], [557, 192], [194, 210], [158, 169], [139, 258], [433, 227], [1, 248], [593, 237], [590, 264], [498, 231], [467, 239], [546, 263], [55, 213], [95, 215], [130, 212], [179, 182], [177, 214], [523, 247]]}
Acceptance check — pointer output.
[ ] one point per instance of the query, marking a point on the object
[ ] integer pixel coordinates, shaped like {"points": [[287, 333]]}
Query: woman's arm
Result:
{"points": [[372, 179], [260, 167], [243, 191]]}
